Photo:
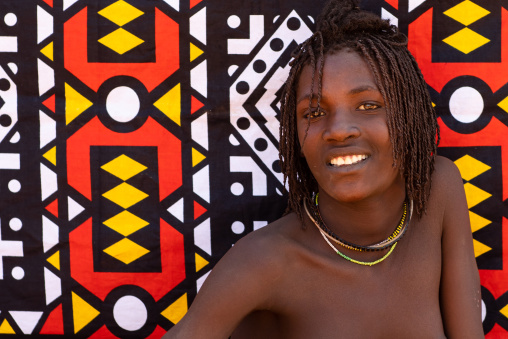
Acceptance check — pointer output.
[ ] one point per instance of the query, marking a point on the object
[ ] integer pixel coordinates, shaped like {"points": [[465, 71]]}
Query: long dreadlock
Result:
{"points": [[411, 119]]}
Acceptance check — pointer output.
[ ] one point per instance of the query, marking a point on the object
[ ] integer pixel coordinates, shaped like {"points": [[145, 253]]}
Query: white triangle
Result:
{"points": [[47, 128], [50, 235], [26, 320], [199, 131], [48, 182], [202, 236], [387, 15], [201, 184], [73, 208], [174, 3], [53, 286], [199, 79], [46, 77], [68, 3], [44, 24], [412, 4], [197, 24], [201, 280], [177, 209]]}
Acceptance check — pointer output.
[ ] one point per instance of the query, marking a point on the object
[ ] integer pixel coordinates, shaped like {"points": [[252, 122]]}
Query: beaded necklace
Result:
{"points": [[358, 262], [364, 263], [397, 234]]}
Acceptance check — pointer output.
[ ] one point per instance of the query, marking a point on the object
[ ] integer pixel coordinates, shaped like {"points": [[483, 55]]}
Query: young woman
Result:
{"points": [[376, 242]]}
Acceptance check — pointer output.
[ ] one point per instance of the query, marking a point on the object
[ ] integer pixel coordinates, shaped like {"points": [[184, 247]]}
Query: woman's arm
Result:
{"points": [[460, 283], [240, 283]]}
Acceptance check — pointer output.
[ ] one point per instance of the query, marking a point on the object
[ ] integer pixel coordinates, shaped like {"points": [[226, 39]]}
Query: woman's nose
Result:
{"points": [[341, 127]]}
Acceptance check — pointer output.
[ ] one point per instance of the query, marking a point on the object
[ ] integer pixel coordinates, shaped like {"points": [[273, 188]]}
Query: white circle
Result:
{"points": [[123, 104], [238, 227], [130, 313], [15, 224], [13, 67], [233, 141], [10, 19], [234, 21], [484, 311], [237, 188], [466, 104], [14, 186], [18, 273], [15, 138], [232, 69]]}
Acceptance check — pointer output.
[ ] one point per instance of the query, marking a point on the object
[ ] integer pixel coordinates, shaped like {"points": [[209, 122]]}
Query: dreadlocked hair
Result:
{"points": [[411, 119]]}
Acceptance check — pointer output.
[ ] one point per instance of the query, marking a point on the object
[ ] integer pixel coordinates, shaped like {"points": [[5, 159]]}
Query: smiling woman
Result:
{"points": [[376, 241]]}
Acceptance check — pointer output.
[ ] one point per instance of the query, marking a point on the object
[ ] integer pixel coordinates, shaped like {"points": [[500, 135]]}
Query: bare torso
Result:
{"points": [[320, 295], [284, 281]]}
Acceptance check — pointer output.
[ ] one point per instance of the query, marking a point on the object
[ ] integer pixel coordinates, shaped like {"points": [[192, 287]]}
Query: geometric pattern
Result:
{"points": [[138, 143]]}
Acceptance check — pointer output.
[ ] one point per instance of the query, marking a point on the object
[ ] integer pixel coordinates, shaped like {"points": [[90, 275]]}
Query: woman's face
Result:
{"points": [[347, 147]]}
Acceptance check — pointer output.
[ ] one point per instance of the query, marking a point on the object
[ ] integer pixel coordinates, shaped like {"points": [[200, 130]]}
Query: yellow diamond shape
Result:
{"points": [[475, 195], [504, 104], [120, 12], [125, 195], [124, 167], [126, 251], [466, 40], [121, 41], [470, 168], [125, 223], [477, 222], [466, 12], [480, 248]]}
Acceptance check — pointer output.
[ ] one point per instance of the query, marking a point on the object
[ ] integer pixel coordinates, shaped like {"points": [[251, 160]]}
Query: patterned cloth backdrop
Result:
{"points": [[138, 142]]}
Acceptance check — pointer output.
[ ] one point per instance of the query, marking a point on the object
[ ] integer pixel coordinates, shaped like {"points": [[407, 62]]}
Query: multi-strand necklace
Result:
{"points": [[391, 241]]}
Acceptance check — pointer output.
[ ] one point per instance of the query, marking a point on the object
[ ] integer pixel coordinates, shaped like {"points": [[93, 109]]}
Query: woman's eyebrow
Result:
{"points": [[305, 97], [363, 88]]}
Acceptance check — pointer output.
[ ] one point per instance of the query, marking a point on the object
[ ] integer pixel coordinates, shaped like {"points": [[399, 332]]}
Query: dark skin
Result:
{"points": [[284, 281]]}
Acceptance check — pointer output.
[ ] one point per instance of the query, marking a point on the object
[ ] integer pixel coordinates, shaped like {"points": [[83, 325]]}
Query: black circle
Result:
{"points": [[276, 166], [242, 87], [4, 84], [277, 44], [243, 123], [259, 66], [293, 24], [261, 144], [5, 120]]}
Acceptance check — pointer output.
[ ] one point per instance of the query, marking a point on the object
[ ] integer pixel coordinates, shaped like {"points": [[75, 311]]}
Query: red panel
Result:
{"points": [[94, 133], [94, 74], [438, 74], [53, 208], [54, 323], [394, 3], [50, 103], [497, 332], [101, 283], [49, 2]]}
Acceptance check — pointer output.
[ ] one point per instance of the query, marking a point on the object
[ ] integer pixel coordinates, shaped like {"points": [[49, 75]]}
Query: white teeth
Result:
{"points": [[348, 160]]}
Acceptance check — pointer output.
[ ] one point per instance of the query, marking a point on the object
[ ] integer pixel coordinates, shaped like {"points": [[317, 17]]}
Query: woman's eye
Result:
{"points": [[368, 106], [316, 113]]}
